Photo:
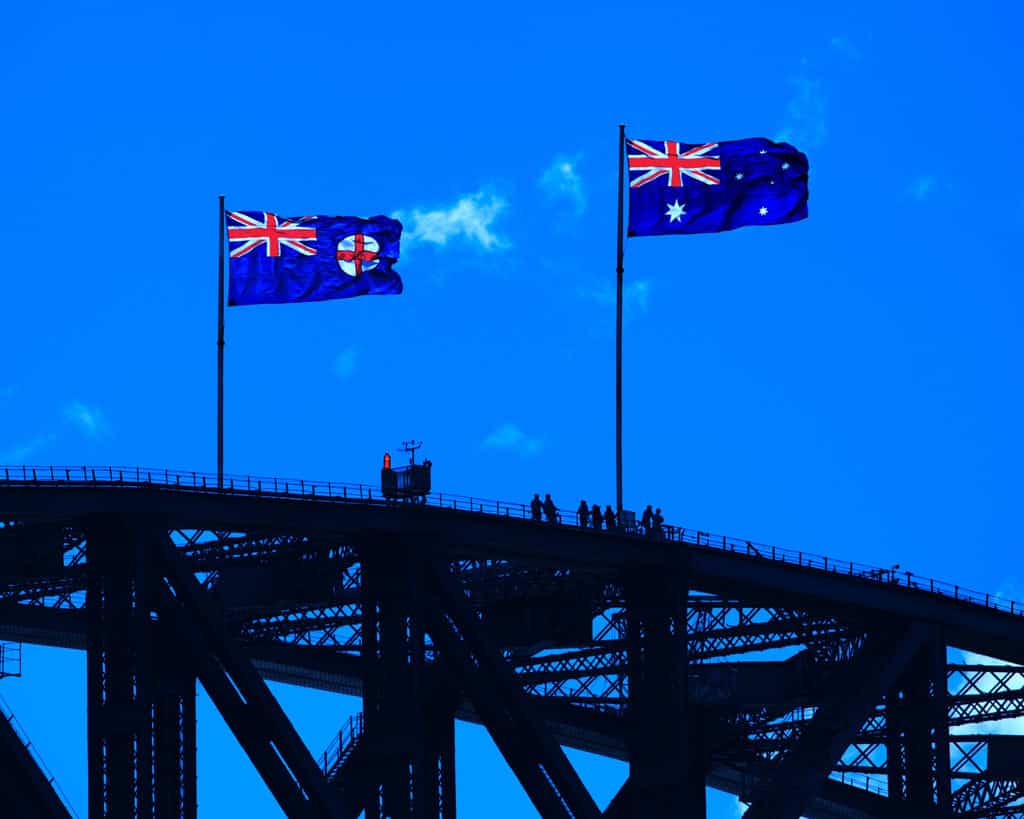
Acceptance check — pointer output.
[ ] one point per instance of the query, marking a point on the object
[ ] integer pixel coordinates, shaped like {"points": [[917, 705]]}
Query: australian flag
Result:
{"points": [[675, 187], [280, 259]]}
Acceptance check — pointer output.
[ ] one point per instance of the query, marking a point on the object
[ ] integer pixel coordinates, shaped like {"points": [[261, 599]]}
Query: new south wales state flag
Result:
{"points": [[282, 259], [678, 187]]}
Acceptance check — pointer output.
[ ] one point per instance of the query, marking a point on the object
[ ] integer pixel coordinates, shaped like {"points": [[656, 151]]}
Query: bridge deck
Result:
{"points": [[465, 526]]}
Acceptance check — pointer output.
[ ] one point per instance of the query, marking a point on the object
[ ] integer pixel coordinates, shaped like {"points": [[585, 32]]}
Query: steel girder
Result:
{"points": [[596, 674], [802, 770], [537, 760], [240, 694]]}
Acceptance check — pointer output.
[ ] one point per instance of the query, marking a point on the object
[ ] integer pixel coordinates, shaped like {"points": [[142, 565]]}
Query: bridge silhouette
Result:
{"points": [[804, 684]]}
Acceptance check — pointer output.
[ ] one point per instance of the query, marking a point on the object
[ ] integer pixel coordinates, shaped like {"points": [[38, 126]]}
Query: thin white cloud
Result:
{"points": [[22, 453], [561, 182], [88, 420], [845, 46], [922, 187], [511, 438], [470, 219], [345, 363], [804, 124], [635, 297]]}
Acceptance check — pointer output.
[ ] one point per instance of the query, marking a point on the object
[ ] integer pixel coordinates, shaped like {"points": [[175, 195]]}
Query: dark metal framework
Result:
{"points": [[807, 690]]}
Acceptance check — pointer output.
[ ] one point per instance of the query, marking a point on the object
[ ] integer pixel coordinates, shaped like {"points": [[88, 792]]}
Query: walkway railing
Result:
{"points": [[8, 714], [342, 746], [370, 495]]}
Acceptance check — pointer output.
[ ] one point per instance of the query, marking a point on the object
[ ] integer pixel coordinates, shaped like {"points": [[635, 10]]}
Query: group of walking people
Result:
{"points": [[591, 517], [652, 521], [547, 507]]}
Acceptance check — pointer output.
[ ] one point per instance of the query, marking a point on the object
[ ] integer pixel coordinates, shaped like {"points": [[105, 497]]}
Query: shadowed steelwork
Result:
{"points": [[805, 685]]}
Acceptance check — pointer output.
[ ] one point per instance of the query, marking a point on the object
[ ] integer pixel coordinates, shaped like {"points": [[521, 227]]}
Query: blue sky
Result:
{"points": [[850, 384]]}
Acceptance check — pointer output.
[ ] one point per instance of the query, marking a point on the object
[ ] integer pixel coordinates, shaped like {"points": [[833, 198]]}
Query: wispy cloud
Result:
{"points": [[470, 219], [88, 420], [22, 453], [845, 46], [922, 187], [635, 297], [561, 181], [804, 123], [511, 438], [345, 363]]}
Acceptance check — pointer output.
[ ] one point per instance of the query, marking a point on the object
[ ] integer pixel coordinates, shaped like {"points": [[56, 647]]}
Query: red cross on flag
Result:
{"points": [[357, 254]]}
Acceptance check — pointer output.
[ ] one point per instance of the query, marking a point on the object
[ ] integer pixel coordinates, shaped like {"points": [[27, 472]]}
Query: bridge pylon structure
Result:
{"points": [[804, 685]]}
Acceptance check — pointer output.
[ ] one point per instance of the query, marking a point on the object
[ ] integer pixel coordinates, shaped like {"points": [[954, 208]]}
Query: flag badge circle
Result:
{"points": [[358, 254]]}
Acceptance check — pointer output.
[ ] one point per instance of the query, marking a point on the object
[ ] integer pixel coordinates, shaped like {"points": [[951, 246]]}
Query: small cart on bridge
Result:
{"points": [[410, 483]]}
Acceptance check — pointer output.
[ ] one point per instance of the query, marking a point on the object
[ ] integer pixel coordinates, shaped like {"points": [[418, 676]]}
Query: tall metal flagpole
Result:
{"points": [[618, 338], [220, 348]]}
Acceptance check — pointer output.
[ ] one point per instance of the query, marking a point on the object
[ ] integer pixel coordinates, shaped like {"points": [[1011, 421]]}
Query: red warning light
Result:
{"points": [[387, 460]]}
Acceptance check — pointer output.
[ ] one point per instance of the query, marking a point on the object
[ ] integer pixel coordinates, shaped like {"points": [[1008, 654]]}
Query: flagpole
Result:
{"points": [[220, 347], [618, 338]]}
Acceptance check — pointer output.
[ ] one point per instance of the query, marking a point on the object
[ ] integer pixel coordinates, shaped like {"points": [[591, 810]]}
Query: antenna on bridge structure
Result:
{"points": [[411, 447]]}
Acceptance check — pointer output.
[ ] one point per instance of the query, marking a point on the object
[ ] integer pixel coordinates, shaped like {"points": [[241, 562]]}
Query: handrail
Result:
{"points": [[334, 491], [342, 745], [8, 714]]}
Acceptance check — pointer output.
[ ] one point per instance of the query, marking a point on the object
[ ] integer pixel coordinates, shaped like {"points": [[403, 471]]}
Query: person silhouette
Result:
{"points": [[657, 521], [550, 510], [535, 507], [609, 518], [582, 514], [646, 519], [595, 516]]}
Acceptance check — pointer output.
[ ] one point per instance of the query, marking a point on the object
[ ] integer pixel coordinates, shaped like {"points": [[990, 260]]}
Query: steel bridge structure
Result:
{"points": [[804, 685]]}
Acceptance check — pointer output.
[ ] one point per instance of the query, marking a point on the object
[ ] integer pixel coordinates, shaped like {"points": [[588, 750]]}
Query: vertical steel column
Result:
{"points": [[940, 722], [895, 759], [917, 731], [174, 731], [917, 737], [96, 674], [369, 654], [439, 751], [446, 768], [665, 774], [393, 654], [120, 718]]}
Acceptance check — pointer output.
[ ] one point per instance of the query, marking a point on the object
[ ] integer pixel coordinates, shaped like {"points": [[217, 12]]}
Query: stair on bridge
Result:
{"points": [[346, 764]]}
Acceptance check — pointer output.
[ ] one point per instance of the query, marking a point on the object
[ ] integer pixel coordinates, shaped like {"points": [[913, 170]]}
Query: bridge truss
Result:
{"points": [[802, 685]]}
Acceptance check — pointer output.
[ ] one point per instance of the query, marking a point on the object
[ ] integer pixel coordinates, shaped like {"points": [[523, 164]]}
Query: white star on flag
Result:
{"points": [[763, 211], [739, 175], [676, 212]]}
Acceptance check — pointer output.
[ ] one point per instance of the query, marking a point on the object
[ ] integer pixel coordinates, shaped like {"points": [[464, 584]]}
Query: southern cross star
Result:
{"points": [[763, 211], [676, 212], [739, 176], [785, 166]]}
